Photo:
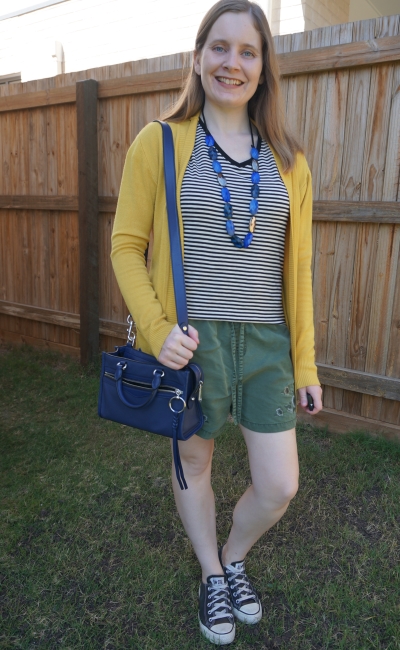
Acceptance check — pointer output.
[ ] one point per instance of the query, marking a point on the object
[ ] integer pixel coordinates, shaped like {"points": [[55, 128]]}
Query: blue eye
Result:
{"points": [[248, 54], [218, 48]]}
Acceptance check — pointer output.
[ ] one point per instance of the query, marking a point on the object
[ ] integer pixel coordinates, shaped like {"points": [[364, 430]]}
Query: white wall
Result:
{"points": [[362, 9], [287, 17], [290, 16]]}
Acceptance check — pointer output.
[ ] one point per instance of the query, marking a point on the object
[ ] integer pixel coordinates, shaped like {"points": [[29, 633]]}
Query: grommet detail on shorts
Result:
{"points": [[250, 375]]}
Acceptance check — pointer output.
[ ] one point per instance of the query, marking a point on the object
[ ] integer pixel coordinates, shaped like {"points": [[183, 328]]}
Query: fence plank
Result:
{"points": [[323, 241], [65, 320], [17, 338], [151, 82], [86, 104], [296, 90], [38, 202], [372, 189], [356, 211], [340, 211], [361, 382], [285, 45], [383, 291], [379, 343], [341, 422], [332, 155], [38, 98], [370, 52], [391, 411], [365, 246]]}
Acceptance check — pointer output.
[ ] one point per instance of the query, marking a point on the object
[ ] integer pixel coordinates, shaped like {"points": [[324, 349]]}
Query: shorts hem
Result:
{"points": [[207, 435], [262, 427]]}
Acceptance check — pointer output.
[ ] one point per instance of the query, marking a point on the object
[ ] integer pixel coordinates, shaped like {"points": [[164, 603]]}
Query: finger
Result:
{"points": [[303, 397], [188, 342], [183, 354], [316, 393], [193, 333], [178, 353], [174, 364], [177, 338]]}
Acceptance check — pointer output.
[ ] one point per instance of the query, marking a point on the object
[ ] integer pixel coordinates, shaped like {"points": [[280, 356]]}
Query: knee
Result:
{"points": [[279, 494], [195, 466], [196, 460]]}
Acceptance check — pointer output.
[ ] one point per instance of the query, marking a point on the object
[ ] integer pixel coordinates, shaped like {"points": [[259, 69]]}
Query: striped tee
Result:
{"points": [[224, 282]]}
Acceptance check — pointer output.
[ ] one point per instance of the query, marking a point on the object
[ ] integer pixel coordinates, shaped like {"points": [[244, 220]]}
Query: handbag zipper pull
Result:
{"points": [[177, 396], [200, 388]]}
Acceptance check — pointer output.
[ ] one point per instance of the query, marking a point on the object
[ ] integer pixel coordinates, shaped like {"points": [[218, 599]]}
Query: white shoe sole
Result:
{"points": [[250, 619], [217, 639]]}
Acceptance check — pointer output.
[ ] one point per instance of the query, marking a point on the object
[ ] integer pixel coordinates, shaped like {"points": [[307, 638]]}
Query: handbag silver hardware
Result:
{"points": [[157, 371], [199, 392], [131, 335], [124, 365], [177, 395]]}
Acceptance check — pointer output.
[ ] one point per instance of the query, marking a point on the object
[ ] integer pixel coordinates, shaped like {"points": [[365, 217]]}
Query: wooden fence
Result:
{"points": [[62, 147]]}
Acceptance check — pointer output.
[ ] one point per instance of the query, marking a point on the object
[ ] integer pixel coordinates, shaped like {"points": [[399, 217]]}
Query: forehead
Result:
{"points": [[232, 26]]}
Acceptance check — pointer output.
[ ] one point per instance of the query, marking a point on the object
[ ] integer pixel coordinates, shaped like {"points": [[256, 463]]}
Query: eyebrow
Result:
{"points": [[222, 40]]}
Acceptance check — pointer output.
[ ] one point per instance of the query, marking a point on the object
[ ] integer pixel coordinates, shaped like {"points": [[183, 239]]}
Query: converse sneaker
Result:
{"points": [[215, 611], [245, 601]]}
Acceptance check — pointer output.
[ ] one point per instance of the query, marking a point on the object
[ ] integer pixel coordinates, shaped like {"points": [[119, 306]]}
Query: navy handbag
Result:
{"points": [[135, 388]]}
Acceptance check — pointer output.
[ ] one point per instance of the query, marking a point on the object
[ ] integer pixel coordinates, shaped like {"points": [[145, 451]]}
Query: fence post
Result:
{"points": [[86, 110]]}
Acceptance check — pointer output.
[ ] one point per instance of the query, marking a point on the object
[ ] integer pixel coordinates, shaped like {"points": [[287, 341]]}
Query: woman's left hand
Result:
{"points": [[316, 394]]}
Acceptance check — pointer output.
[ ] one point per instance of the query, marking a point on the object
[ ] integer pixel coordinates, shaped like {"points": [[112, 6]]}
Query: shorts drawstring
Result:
{"points": [[238, 349]]}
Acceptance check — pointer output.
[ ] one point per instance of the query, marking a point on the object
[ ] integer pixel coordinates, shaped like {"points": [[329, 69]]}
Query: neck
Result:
{"points": [[226, 122]]}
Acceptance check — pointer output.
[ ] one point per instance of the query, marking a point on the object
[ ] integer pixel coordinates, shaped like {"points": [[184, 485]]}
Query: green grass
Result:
{"points": [[93, 555]]}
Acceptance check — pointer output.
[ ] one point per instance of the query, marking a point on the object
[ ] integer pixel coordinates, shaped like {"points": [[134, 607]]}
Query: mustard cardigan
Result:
{"points": [[142, 208]]}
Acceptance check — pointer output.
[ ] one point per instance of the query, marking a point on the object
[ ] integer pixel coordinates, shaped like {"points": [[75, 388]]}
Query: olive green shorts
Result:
{"points": [[248, 372]]}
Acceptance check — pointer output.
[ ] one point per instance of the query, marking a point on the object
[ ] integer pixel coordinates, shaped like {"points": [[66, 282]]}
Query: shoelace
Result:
{"points": [[240, 583], [218, 602]]}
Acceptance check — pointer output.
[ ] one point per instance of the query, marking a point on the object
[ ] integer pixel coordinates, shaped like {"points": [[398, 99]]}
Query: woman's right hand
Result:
{"points": [[178, 348]]}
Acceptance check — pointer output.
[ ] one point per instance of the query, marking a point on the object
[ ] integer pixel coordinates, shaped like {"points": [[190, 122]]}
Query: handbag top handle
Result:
{"points": [[173, 224]]}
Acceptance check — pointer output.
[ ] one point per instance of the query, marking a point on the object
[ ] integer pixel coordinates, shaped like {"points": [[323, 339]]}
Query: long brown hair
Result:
{"points": [[266, 106]]}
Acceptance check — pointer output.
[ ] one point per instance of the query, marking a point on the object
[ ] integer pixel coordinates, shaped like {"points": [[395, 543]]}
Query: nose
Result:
{"points": [[232, 61]]}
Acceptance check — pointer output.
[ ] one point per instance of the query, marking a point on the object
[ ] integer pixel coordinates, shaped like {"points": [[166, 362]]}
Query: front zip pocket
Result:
{"points": [[133, 383]]}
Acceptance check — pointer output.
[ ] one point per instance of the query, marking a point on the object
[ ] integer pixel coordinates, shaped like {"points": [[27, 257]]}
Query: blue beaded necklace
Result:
{"points": [[237, 241]]}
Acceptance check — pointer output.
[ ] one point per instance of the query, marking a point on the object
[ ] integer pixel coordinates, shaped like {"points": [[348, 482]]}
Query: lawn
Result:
{"points": [[93, 554]]}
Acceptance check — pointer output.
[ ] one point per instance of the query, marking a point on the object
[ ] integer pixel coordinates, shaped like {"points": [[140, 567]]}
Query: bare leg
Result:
{"points": [[196, 505], [274, 472]]}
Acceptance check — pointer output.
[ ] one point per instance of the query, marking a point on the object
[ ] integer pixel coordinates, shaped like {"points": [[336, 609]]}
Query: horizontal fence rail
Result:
{"points": [[322, 59], [363, 382], [344, 211], [62, 319]]}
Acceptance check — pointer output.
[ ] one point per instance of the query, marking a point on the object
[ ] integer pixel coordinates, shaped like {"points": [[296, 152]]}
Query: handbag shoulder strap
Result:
{"points": [[173, 224]]}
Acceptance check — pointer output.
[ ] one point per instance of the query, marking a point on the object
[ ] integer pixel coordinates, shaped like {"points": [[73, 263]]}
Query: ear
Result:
{"points": [[196, 63], [261, 80]]}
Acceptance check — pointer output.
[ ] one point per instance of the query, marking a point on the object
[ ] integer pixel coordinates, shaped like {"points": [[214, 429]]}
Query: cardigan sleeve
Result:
{"points": [[305, 352], [130, 237]]}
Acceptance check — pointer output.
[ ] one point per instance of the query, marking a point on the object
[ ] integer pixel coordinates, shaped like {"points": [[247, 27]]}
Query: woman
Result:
{"points": [[248, 288]]}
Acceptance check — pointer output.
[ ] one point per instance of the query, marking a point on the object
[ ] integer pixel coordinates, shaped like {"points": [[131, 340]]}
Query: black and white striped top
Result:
{"points": [[224, 282]]}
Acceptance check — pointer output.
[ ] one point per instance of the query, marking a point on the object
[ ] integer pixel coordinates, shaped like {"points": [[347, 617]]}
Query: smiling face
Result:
{"points": [[230, 63]]}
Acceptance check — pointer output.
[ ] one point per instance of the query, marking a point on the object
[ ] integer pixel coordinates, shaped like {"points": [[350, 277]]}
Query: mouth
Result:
{"points": [[229, 82]]}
